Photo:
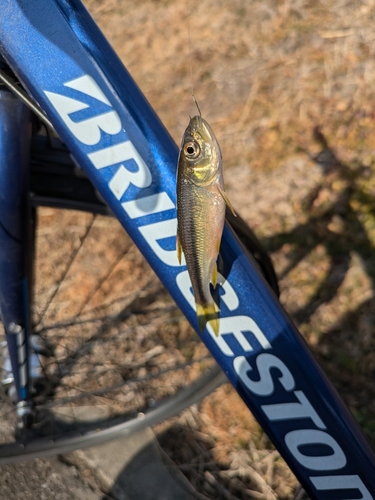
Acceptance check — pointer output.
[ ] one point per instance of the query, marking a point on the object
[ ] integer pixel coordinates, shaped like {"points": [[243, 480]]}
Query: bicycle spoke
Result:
{"points": [[102, 281], [125, 383], [65, 273]]}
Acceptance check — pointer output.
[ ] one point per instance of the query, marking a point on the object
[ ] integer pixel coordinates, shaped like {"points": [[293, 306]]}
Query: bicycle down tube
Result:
{"points": [[69, 68]]}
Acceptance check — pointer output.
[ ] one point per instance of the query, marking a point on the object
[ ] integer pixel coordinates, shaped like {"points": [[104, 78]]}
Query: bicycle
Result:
{"points": [[113, 135]]}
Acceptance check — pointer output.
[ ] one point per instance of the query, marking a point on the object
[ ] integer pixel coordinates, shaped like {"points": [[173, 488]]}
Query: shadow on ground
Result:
{"points": [[341, 220]]}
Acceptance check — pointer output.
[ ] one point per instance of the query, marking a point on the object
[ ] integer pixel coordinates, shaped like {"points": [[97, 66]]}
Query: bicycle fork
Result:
{"points": [[16, 245]]}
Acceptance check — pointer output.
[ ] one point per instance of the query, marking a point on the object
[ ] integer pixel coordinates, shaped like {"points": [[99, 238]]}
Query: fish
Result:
{"points": [[201, 202]]}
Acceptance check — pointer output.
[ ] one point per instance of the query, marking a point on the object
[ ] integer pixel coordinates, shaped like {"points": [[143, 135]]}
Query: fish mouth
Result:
{"points": [[196, 122], [199, 126]]}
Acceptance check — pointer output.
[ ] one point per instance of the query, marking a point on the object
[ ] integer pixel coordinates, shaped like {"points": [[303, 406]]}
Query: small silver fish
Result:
{"points": [[201, 203]]}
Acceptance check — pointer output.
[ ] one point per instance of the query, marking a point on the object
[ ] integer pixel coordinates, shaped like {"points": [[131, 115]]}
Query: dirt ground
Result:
{"points": [[288, 89]]}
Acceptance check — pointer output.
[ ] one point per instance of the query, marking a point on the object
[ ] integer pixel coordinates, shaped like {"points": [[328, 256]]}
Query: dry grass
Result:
{"points": [[264, 72], [224, 453]]}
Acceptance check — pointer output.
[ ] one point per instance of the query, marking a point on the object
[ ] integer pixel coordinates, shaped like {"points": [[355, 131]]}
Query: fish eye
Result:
{"points": [[192, 150]]}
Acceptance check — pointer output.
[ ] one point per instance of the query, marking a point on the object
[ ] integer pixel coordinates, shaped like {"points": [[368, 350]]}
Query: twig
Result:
{"points": [[190, 420], [188, 467], [240, 486], [254, 451], [219, 487], [248, 104], [270, 462], [255, 477], [205, 437], [196, 481], [255, 494]]}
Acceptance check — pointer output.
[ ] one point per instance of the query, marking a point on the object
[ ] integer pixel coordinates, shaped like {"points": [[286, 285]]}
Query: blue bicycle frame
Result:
{"points": [[68, 67]]}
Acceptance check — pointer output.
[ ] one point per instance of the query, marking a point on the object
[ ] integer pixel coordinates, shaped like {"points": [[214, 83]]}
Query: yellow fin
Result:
{"points": [[226, 199], [218, 245], [220, 265], [209, 313], [214, 276], [178, 248]]}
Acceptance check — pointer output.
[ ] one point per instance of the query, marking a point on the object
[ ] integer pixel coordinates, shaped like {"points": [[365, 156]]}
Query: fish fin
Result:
{"points": [[178, 248], [208, 314], [214, 275], [220, 268], [218, 246], [226, 199]]}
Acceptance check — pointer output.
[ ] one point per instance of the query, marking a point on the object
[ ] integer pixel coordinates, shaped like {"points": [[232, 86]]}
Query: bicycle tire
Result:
{"points": [[58, 183]]}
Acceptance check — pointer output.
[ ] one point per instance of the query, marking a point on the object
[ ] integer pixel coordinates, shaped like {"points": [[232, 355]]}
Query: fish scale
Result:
{"points": [[198, 242]]}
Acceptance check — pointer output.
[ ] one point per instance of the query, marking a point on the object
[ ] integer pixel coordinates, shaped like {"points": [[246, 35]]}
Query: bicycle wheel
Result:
{"points": [[112, 352]]}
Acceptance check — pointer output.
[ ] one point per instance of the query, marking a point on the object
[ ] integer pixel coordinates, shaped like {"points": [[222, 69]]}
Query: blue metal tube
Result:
{"points": [[15, 265]]}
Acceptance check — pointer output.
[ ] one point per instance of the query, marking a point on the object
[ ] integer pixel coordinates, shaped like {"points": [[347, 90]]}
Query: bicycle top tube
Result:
{"points": [[66, 64]]}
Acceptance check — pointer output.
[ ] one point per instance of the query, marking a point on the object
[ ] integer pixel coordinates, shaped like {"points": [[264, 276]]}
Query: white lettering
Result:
{"points": [[301, 437], [229, 296], [184, 284], [119, 153], [153, 233], [287, 411], [236, 325], [148, 205], [119, 182], [230, 325], [87, 85], [344, 482], [87, 131], [264, 362]]}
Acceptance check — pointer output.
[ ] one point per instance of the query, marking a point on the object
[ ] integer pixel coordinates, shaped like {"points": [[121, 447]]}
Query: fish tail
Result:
{"points": [[208, 314]]}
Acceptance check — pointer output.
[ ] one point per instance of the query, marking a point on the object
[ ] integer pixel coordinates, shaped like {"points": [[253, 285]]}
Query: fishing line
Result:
{"points": [[190, 61]]}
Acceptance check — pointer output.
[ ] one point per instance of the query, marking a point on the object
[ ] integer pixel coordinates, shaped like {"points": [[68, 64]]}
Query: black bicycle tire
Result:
{"points": [[43, 447]]}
